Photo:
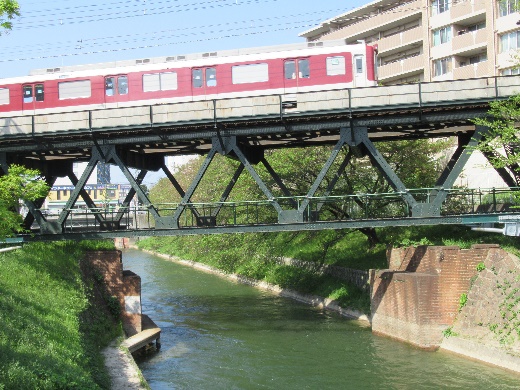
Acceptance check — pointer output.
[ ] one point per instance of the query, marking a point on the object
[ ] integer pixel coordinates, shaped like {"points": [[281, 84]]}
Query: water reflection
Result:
{"points": [[220, 335]]}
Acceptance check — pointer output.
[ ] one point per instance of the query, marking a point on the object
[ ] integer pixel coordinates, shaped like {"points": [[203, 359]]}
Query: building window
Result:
{"points": [[440, 6], [506, 7], [476, 27], [509, 41], [478, 58], [510, 71], [442, 35], [441, 66]]}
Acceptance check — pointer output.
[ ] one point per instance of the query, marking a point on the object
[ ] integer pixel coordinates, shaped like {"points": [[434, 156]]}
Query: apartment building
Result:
{"points": [[430, 40]]}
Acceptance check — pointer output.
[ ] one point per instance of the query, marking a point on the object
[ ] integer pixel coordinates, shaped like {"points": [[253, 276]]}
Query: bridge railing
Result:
{"points": [[347, 101], [354, 207]]}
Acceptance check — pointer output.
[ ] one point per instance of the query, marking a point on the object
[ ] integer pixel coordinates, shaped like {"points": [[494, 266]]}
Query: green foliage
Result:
{"points": [[502, 122], [481, 266], [448, 332], [9, 9], [51, 333], [406, 242], [18, 185], [463, 300]]}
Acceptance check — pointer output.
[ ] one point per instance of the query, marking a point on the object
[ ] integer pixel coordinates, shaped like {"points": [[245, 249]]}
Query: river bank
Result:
{"points": [[464, 348], [222, 335]]}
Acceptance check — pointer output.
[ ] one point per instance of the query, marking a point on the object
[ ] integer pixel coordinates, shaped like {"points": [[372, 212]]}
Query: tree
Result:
{"points": [[501, 143], [9, 9], [413, 161], [20, 184]]}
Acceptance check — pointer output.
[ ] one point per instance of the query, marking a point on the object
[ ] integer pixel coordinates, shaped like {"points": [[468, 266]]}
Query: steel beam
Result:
{"points": [[173, 221], [359, 136], [455, 167]]}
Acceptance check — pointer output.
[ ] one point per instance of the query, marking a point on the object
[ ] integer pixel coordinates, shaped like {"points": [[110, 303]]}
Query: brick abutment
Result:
{"points": [[463, 300]]}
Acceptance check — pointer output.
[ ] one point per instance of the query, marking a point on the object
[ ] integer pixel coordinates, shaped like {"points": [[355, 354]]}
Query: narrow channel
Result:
{"points": [[220, 335]]}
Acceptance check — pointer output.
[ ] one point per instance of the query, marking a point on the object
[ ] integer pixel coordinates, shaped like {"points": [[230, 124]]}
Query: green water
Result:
{"points": [[220, 335]]}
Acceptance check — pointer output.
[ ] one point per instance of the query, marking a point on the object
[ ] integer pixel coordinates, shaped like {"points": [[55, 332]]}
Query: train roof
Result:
{"points": [[185, 57]]}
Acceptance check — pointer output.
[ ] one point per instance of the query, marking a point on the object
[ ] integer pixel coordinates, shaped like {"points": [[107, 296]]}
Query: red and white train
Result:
{"points": [[285, 70]]}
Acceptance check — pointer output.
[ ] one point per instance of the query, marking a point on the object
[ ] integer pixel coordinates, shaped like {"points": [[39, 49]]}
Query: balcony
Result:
{"points": [[401, 67], [464, 9], [469, 41], [398, 41], [481, 69], [393, 17]]}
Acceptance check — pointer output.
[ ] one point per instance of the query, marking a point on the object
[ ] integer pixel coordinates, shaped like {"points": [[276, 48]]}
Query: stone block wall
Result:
{"points": [[124, 285], [417, 298], [490, 321]]}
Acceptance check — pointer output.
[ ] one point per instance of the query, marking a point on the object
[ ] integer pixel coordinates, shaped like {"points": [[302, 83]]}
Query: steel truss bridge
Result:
{"points": [[243, 129]]}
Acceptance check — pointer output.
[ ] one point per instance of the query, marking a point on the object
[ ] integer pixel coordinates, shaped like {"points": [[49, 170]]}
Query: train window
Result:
{"points": [[27, 93], [197, 78], [169, 81], [4, 96], [290, 69], [151, 82], [109, 86], [160, 82], [359, 64], [251, 73], [304, 69], [122, 85], [38, 92], [336, 66], [211, 77], [74, 89]]}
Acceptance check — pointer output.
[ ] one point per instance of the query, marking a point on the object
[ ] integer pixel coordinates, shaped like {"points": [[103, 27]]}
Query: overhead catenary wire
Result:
{"points": [[86, 46]]}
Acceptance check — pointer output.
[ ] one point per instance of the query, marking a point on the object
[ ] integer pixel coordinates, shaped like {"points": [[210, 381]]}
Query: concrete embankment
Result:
{"points": [[464, 301]]}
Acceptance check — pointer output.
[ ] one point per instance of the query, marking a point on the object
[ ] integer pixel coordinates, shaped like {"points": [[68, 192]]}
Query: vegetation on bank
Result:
{"points": [[53, 326], [258, 255]]}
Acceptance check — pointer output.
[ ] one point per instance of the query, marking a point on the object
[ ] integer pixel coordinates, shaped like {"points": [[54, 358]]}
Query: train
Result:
{"points": [[282, 70], [271, 70]]}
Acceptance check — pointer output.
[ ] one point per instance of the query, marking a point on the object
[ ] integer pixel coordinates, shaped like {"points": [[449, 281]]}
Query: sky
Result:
{"points": [[53, 33]]}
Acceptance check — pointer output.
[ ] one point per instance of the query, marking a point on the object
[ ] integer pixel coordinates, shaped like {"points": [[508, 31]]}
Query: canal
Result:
{"points": [[220, 335]]}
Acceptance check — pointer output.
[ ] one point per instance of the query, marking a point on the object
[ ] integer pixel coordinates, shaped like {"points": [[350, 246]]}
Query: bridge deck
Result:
{"points": [[390, 112]]}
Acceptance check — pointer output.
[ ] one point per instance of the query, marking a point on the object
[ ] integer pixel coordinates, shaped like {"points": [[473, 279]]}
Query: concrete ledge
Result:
{"points": [[481, 352], [149, 334]]}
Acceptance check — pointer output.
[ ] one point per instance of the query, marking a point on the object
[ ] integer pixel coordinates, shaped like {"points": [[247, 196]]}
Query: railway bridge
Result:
{"points": [[141, 136]]}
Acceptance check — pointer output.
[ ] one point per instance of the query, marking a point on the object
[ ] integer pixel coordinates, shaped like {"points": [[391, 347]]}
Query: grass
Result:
{"points": [[52, 328]]}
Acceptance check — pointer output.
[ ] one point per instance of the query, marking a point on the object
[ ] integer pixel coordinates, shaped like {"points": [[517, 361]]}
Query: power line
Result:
{"points": [[121, 49]]}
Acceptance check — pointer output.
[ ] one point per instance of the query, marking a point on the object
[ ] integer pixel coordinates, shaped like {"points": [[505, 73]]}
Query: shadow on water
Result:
{"points": [[220, 335]]}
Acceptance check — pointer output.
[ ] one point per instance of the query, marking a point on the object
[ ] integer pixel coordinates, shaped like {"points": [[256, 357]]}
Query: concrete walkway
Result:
{"points": [[122, 368]]}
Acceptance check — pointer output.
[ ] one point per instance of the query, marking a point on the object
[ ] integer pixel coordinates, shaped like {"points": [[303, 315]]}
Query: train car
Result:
{"points": [[277, 70], [272, 70]]}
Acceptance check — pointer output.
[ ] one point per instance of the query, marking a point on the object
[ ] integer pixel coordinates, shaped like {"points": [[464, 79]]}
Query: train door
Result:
{"points": [[360, 71], [296, 71], [204, 81], [116, 89], [33, 96]]}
